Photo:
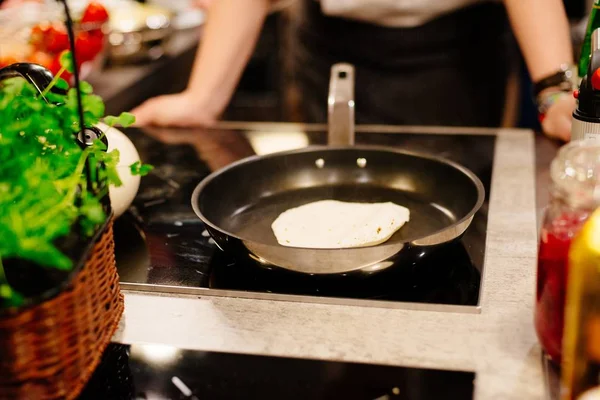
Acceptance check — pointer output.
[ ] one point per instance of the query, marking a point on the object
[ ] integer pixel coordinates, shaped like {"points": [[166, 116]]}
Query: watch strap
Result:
{"points": [[564, 80]]}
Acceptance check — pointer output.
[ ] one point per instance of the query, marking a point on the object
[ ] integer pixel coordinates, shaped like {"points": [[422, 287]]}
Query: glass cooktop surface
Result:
{"points": [[159, 372], [161, 244]]}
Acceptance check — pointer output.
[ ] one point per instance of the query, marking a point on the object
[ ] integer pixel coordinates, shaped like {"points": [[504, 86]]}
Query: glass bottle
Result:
{"points": [[581, 345], [575, 194], [593, 24]]}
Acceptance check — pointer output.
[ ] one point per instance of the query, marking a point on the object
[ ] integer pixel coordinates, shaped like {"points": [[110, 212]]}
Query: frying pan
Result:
{"points": [[239, 203]]}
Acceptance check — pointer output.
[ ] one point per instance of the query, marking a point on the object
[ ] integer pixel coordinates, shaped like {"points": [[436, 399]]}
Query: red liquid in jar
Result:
{"points": [[552, 281]]}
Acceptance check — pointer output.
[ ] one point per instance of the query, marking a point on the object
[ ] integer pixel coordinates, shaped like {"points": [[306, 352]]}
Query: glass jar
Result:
{"points": [[575, 194]]}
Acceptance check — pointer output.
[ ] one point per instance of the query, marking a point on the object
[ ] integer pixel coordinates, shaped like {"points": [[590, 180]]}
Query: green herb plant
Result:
{"points": [[44, 191]]}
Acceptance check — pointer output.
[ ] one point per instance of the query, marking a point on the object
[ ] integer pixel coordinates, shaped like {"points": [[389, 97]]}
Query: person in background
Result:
{"points": [[418, 62], [14, 3]]}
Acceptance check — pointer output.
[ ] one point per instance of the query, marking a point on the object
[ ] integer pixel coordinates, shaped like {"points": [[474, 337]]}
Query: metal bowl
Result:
{"points": [[138, 32]]}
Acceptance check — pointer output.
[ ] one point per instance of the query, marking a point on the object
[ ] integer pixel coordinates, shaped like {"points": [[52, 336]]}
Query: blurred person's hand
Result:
{"points": [[177, 110], [220, 61], [558, 119]]}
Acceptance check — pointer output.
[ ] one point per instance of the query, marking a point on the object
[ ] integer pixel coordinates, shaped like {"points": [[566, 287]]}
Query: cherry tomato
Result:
{"points": [[87, 46], [37, 38], [52, 38], [55, 65], [94, 12], [55, 69], [56, 39]]}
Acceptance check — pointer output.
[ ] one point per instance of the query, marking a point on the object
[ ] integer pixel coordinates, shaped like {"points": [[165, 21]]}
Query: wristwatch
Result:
{"points": [[565, 80]]}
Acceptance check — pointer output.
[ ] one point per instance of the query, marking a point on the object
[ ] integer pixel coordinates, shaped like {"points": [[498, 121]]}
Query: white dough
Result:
{"points": [[330, 224]]}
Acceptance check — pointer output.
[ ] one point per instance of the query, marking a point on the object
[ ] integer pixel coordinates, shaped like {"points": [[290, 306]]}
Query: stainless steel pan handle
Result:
{"points": [[340, 105]]}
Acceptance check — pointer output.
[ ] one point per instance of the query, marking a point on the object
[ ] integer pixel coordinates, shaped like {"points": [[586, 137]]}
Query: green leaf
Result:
{"points": [[125, 120], [110, 120], [5, 291], [94, 105], [99, 144], [113, 177], [66, 61], [11, 297], [137, 168], [85, 87], [61, 84]]}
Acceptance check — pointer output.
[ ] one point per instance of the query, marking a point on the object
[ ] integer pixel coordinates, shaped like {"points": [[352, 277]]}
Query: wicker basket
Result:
{"points": [[49, 350]]}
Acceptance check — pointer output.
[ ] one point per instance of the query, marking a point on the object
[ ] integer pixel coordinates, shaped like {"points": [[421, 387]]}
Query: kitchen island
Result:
{"points": [[494, 338]]}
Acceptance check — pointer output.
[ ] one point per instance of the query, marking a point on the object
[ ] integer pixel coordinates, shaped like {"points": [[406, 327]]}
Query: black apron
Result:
{"points": [[450, 71]]}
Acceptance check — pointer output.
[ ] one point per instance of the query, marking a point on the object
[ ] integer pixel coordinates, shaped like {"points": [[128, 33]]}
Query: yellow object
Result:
{"points": [[581, 343]]}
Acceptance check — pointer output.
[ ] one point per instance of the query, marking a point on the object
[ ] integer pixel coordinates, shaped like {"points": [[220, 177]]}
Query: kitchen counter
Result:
{"points": [[497, 342]]}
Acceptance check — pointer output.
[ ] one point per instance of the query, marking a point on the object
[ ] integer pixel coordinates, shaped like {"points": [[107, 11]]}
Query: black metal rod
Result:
{"points": [[69, 24]]}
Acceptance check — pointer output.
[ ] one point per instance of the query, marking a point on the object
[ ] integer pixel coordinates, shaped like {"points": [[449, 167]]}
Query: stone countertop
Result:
{"points": [[498, 343]]}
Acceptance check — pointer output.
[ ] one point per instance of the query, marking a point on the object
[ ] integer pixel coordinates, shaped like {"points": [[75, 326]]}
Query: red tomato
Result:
{"points": [[87, 46], [94, 12], [37, 38], [56, 39], [55, 65], [55, 69], [52, 38]]}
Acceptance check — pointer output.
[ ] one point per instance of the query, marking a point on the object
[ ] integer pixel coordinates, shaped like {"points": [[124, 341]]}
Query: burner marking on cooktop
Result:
{"points": [[154, 202], [173, 184], [171, 235], [186, 391], [195, 258]]}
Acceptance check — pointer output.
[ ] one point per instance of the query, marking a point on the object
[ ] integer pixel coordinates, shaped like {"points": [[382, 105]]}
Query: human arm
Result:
{"points": [[15, 3], [228, 39], [542, 31]]}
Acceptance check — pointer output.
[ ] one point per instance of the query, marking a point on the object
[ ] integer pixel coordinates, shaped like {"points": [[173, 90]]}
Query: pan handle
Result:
{"points": [[340, 105]]}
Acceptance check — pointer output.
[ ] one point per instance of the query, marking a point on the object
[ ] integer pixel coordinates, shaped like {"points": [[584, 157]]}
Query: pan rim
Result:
{"points": [[247, 160]]}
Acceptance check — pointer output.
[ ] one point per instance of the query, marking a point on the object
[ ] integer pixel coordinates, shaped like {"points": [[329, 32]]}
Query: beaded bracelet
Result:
{"points": [[544, 102]]}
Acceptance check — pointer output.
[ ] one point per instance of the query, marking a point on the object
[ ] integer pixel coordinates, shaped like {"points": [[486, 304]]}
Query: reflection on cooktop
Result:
{"points": [[161, 242], [433, 279], [165, 372], [188, 258]]}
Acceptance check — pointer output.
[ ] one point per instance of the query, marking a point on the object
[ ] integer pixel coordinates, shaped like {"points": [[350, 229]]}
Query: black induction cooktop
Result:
{"points": [[163, 372], [161, 244]]}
